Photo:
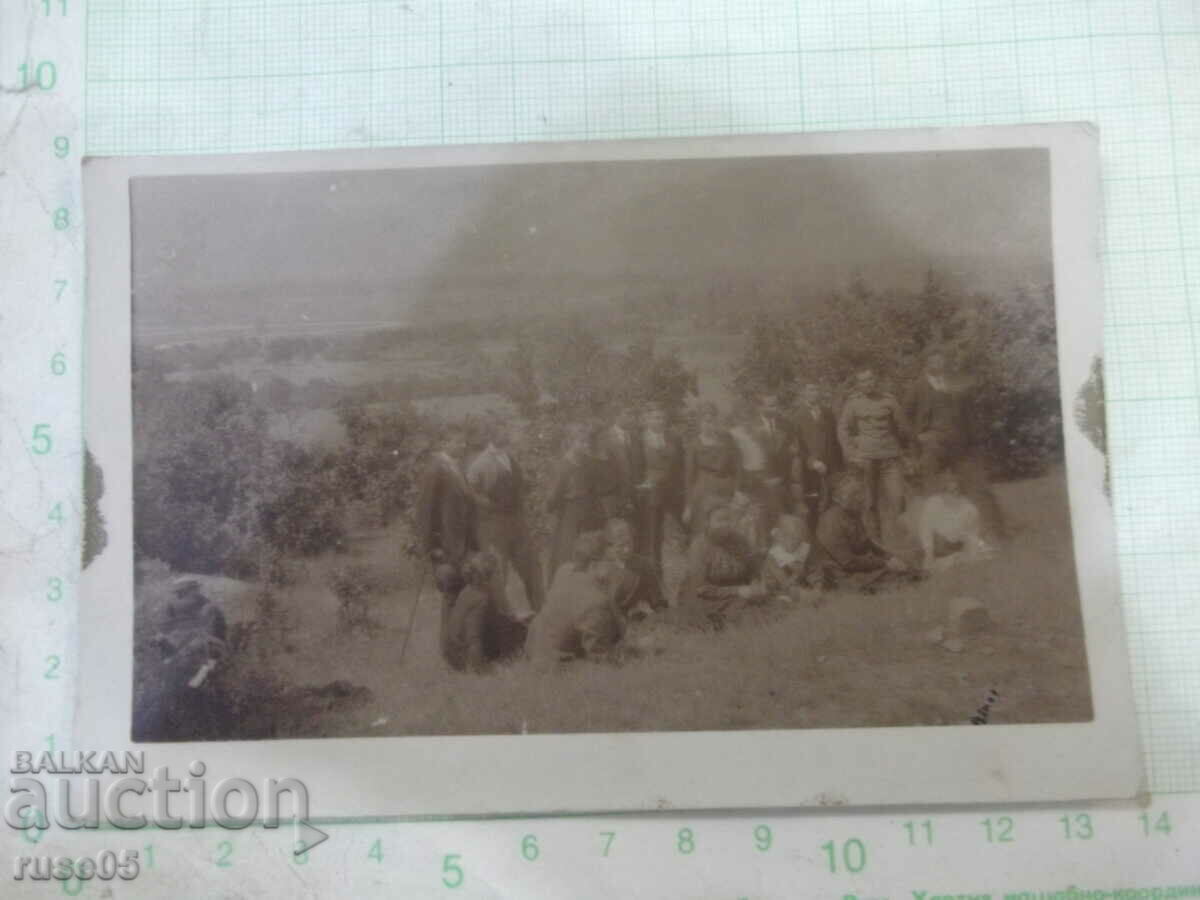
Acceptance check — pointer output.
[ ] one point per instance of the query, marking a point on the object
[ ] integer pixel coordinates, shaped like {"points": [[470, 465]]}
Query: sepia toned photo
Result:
{"points": [[648, 443]]}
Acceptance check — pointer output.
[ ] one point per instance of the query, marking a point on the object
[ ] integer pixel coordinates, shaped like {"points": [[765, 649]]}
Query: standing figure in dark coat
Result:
{"points": [[938, 406], [818, 456], [572, 498], [498, 487], [658, 476], [445, 515], [615, 453], [710, 468], [610, 474], [775, 436], [755, 489]]}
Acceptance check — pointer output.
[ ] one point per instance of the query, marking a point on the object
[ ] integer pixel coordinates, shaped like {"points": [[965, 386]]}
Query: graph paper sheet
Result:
{"points": [[165, 76], [174, 76], [124, 77]]}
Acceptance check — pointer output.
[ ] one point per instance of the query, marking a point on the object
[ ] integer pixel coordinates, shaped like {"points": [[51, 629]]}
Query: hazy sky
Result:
{"points": [[220, 249]]}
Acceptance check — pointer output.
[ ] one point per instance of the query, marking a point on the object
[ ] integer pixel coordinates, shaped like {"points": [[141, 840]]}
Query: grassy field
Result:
{"points": [[855, 661]]}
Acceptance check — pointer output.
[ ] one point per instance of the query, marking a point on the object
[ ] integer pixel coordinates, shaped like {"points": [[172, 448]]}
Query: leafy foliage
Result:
{"points": [[379, 462], [216, 493], [1005, 346]]}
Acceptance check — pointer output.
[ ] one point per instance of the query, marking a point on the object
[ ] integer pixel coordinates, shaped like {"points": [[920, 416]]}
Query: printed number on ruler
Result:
{"points": [[40, 76]]}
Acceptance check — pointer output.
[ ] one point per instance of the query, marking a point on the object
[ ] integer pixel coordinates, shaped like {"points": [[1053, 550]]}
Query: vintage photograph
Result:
{"points": [[694, 444]]}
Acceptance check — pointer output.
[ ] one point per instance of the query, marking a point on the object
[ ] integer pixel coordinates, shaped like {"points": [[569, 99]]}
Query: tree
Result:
{"points": [[1004, 344], [771, 360], [1013, 356]]}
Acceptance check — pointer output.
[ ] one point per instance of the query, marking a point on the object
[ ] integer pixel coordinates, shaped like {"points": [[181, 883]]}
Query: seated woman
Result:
{"points": [[467, 618], [580, 618], [723, 569], [949, 527], [851, 559], [638, 589]]}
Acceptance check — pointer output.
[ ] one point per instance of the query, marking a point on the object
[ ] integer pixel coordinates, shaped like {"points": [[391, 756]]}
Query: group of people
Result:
{"points": [[775, 503]]}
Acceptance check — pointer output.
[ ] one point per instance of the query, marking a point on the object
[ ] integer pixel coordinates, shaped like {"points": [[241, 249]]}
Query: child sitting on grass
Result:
{"points": [[787, 572]]}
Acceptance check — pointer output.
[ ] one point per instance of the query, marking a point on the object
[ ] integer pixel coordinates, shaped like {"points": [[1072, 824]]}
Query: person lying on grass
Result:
{"points": [[949, 528], [723, 570], [580, 618]]}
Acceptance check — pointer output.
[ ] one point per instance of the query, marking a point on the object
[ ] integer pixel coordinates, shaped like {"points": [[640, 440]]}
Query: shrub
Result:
{"points": [[380, 460], [214, 492], [354, 586]]}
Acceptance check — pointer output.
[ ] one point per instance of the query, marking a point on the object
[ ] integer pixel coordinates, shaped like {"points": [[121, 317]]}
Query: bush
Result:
{"points": [[214, 492], [354, 586], [302, 508], [382, 457]]}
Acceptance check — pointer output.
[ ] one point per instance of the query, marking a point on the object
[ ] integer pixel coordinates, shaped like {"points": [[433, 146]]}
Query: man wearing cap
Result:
{"points": [[186, 699], [938, 406], [872, 431]]}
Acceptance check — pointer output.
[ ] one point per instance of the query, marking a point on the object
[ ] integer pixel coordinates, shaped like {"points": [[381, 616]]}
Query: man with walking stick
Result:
{"points": [[446, 523]]}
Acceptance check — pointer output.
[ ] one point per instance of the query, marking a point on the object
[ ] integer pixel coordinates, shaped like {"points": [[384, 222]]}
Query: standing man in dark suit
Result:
{"points": [[658, 482], [818, 456], [498, 487], [614, 451], [939, 408], [445, 520], [775, 437]]}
